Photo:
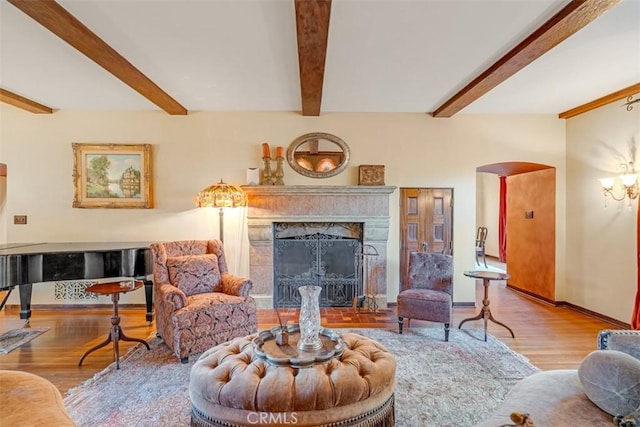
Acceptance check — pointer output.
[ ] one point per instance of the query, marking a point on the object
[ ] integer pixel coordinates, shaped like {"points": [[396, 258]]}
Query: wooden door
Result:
{"points": [[425, 224]]}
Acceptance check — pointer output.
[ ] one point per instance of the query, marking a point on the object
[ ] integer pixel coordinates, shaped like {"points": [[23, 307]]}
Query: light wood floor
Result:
{"points": [[550, 337]]}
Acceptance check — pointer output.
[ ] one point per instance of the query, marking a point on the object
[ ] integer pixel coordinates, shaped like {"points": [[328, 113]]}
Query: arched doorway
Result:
{"points": [[529, 223]]}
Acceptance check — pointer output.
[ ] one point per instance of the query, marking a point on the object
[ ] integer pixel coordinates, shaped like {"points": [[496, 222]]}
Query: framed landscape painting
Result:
{"points": [[112, 176]]}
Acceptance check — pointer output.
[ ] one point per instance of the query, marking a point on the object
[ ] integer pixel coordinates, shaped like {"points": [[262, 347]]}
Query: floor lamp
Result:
{"points": [[221, 195]]}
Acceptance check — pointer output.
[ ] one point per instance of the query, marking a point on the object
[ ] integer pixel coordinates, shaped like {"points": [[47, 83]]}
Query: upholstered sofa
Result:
{"points": [[578, 397], [198, 303], [29, 400]]}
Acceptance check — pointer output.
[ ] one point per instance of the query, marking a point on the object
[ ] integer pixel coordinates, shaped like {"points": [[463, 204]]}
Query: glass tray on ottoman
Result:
{"points": [[266, 348]]}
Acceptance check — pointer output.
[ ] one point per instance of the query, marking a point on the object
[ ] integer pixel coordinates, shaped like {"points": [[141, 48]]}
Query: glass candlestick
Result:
{"points": [[310, 318], [279, 175], [267, 175]]}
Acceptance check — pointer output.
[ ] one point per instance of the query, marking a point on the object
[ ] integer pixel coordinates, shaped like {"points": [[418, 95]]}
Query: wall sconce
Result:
{"points": [[628, 183], [630, 102]]}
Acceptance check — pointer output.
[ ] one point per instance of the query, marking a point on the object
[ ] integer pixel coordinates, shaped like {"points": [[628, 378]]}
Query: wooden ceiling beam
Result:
{"points": [[312, 24], [607, 99], [25, 103], [573, 17], [59, 21]]}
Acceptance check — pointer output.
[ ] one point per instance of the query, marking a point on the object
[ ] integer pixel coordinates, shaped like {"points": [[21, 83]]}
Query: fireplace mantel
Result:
{"points": [[314, 203], [277, 190]]}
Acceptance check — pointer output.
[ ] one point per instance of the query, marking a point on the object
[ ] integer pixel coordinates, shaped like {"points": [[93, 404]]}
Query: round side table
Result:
{"points": [[485, 313], [115, 334]]}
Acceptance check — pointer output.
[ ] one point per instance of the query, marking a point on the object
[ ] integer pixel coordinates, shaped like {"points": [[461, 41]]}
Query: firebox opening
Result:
{"points": [[325, 254]]}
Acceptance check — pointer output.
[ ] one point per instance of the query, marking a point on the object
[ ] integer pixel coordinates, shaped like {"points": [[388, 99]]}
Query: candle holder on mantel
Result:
{"points": [[279, 174], [267, 174]]}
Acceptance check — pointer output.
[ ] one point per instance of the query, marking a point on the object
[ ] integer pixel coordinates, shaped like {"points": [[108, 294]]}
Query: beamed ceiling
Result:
{"points": [[437, 57]]}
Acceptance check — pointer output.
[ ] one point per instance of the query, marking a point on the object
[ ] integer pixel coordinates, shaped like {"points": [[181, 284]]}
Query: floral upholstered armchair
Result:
{"points": [[198, 303]]}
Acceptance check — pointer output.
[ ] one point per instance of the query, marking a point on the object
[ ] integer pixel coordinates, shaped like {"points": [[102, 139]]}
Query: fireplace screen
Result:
{"points": [[321, 254]]}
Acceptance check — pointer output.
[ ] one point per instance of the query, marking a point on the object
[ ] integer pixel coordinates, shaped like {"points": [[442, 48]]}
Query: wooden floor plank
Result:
{"points": [[551, 337]]}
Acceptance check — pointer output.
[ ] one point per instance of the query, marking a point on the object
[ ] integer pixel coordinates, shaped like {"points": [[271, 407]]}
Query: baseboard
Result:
{"points": [[573, 307], [595, 315], [533, 296], [455, 304], [587, 312], [464, 304], [36, 307]]}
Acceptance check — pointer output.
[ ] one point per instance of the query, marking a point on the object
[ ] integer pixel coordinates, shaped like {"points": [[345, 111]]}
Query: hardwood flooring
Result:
{"points": [[551, 337]]}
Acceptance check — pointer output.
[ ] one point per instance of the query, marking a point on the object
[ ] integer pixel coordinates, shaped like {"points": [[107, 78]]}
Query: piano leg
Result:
{"points": [[25, 301], [6, 297], [148, 294]]}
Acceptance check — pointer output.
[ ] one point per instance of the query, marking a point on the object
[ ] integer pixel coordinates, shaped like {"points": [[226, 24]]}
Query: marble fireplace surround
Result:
{"points": [[315, 203]]}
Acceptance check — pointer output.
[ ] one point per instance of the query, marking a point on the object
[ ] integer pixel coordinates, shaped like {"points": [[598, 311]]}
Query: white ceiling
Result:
{"points": [[382, 55]]}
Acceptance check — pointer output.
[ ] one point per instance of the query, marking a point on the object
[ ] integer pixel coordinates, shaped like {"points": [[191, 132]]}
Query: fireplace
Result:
{"points": [[350, 217], [325, 254]]}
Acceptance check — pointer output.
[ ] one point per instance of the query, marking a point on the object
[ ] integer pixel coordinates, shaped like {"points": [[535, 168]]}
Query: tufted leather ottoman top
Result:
{"points": [[233, 386]]}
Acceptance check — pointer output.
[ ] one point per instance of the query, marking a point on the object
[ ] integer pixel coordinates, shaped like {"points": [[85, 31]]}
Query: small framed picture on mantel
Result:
{"points": [[371, 175]]}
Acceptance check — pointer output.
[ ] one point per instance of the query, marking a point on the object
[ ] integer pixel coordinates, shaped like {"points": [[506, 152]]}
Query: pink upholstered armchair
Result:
{"points": [[428, 293], [198, 303]]}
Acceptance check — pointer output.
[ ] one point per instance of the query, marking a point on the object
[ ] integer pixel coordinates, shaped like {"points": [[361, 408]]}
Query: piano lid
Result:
{"points": [[42, 248], [16, 245]]}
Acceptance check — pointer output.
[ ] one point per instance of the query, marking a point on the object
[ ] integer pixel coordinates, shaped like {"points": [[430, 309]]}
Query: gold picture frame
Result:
{"points": [[371, 175], [112, 176]]}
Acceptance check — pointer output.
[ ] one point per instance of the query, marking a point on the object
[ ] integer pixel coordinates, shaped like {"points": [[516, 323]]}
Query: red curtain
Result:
{"points": [[502, 220], [635, 317]]}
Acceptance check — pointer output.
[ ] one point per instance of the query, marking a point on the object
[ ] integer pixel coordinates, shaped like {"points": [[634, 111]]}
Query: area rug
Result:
{"points": [[14, 338], [439, 384]]}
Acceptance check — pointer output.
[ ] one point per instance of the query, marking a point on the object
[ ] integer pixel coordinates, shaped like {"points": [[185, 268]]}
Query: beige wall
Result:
{"points": [[194, 151], [487, 209], [3, 198], [601, 261]]}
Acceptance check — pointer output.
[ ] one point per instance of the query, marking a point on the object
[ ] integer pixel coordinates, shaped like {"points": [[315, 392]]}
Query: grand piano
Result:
{"points": [[23, 264]]}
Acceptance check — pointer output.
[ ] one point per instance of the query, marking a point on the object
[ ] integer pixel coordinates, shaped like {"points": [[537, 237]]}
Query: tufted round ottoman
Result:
{"points": [[231, 386]]}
